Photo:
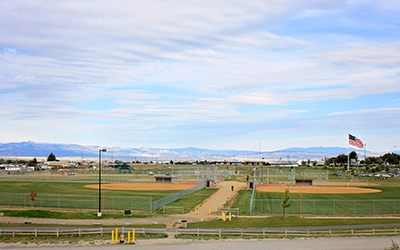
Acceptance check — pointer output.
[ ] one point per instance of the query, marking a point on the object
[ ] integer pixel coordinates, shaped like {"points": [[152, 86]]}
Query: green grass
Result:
{"points": [[64, 215], [242, 201], [386, 202], [75, 188], [68, 239], [190, 201], [291, 221]]}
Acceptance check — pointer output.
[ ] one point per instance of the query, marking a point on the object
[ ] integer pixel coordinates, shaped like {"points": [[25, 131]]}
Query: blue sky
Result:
{"points": [[208, 74]]}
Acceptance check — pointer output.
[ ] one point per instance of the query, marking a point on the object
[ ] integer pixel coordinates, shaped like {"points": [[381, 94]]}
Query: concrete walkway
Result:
{"points": [[219, 198]]}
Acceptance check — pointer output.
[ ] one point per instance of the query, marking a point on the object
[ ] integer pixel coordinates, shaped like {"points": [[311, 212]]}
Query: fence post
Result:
{"points": [[263, 232], [313, 209], [373, 231], [330, 232], [374, 210], [220, 232], [13, 233], [35, 232], [395, 231], [333, 208], [151, 209], [79, 232], [198, 231], [308, 232], [352, 231], [101, 231], [241, 232], [58, 234], [285, 232]]}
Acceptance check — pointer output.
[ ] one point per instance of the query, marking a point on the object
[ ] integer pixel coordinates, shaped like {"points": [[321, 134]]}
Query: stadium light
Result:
{"points": [[101, 150]]}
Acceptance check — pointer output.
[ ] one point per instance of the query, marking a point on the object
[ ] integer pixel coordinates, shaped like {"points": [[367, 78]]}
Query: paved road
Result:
{"points": [[359, 243]]}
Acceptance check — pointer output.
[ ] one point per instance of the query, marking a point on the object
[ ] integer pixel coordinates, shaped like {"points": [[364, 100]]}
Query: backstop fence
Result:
{"points": [[328, 207], [140, 203], [173, 197]]}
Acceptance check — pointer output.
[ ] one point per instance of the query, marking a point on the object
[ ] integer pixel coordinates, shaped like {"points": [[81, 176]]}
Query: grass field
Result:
{"points": [[74, 195], [190, 201], [386, 202]]}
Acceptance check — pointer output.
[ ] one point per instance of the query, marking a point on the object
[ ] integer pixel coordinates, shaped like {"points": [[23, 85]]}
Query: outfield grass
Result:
{"points": [[65, 215], [385, 202], [291, 221], [75, 188]]}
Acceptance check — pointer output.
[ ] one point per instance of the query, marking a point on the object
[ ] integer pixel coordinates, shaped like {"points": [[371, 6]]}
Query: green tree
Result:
{"points": [[52, 157], [285, 201], [353, 155]]}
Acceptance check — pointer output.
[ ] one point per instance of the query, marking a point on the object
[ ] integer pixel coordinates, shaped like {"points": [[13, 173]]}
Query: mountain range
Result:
{"points": [[34, 149]]}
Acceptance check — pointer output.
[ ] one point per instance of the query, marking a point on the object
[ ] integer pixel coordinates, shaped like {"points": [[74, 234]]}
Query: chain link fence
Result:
{"points": [[140, 203], [173, 197], [328, 207]]}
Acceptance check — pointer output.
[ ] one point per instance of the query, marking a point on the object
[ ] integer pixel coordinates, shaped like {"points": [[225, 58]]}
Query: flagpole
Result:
{"points": [[348, 153]]}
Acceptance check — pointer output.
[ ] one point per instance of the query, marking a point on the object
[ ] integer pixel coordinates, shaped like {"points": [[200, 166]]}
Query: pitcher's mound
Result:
{"points": [[318, 190], [141, 186]]}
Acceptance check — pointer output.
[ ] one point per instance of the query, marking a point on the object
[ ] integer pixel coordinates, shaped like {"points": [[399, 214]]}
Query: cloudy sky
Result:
{"points": [[209, 74]]}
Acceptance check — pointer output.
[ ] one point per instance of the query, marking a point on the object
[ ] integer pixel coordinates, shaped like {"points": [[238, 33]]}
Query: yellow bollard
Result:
{"points": [[112, 237], [223, 217], [116, 235], [230, 216], [133, 236], [195, 211], [209, 211], [129, 237]]}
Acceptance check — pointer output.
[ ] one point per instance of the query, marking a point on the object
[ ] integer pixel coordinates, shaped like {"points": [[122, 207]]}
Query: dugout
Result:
{"points": [[250, 184], [304, 182], [210, 183], [167, 179]]}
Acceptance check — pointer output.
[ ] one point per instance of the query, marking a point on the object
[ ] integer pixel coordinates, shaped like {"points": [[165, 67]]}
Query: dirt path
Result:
{"points": [[219, 198]]}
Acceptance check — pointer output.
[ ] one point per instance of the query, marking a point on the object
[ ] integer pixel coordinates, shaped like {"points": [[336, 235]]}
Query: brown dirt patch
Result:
{"points": [[141, 186], [317, 190]]}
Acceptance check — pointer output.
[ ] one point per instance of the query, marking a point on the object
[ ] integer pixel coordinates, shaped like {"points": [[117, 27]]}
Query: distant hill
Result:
{"points": [[33, 149]]}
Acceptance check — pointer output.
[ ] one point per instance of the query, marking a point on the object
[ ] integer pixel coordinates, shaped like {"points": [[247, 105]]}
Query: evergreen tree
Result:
{"points": [[51, 157], [285, 201]]}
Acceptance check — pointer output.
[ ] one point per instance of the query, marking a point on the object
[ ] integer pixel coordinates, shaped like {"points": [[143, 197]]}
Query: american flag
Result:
{"points": [[354, 141]]}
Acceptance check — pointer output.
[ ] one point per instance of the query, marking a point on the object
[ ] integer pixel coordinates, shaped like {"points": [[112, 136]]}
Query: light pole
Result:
{"points": [[101, 150]]}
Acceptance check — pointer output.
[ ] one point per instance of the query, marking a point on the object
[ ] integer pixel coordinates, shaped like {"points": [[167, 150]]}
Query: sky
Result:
{"points": [[216, 74]]}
